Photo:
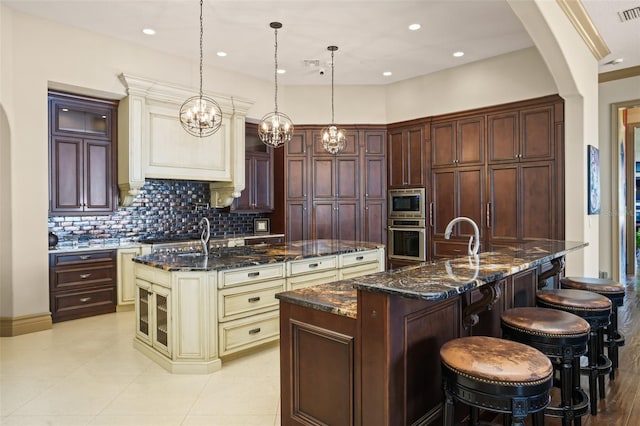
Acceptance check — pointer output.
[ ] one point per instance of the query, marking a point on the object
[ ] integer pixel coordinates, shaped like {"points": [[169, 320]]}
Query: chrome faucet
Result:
{"points": [[204, 236], [471, 251]]}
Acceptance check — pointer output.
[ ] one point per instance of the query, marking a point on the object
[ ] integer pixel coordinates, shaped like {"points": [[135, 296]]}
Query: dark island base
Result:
{"points": [[383, 367]]}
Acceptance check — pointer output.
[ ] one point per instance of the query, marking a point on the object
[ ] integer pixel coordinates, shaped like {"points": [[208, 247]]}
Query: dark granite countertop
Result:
{"points": [[238, 257], [435, 280]]}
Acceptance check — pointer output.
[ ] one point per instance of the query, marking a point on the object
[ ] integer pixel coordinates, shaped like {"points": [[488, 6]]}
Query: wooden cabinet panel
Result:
{"points": [[537, 133], [406, 156], [503, 184], [503, 141], [470, 190], [66, 175], [296, 178], [347, 220], [323, 219], [323, 178], [350, 145], [537, 200], [374, 178], [298, 144], [443, 142], [522, 289], [347, 177], [470, 144], [374, 142], [257, 195], [375, 221], [444, 200], [82, 155], [297, 223]]}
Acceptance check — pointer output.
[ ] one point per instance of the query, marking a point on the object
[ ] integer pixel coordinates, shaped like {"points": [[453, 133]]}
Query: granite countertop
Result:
{"points": [[435, 280], [93, 247], [237, 257]]}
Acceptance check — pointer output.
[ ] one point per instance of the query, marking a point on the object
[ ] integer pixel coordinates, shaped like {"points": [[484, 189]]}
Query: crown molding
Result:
{"points": [[581, 21], [619, 74]]}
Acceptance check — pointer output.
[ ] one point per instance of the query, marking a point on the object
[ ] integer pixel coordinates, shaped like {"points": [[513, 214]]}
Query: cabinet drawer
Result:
{"points": [[313, 264], [237, 302], [248, 332], [450, 248], [308, 280], [359, 270], [250, 275], [83, 257], [79, 304], [350, 259], [68, 278]]}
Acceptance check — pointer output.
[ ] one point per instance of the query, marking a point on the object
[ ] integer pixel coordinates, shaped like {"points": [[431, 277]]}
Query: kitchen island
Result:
{"points": [[365, 351], [194, 309]]}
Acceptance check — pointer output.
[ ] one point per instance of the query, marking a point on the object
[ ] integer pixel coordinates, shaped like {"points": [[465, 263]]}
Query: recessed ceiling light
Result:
{"points": [[387, 73], [414, 27], [149, 31], [458, 54], [221, 53], [281, 71]]}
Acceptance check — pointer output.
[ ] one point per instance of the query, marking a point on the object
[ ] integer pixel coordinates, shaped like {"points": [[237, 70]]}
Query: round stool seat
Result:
{"points": [[603, 286], [543, 321], [563, 338], [496, 375], [496, 360], [575, 301]]}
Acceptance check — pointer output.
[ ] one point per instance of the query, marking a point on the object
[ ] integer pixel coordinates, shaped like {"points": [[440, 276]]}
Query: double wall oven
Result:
{"points": [[407, 233]]}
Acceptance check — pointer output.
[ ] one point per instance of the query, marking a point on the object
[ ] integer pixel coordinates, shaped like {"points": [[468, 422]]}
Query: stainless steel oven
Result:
{"points": [[406, 203], [407, 239]]}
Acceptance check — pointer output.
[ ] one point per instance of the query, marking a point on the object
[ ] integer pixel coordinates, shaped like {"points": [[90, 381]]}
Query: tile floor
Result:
{"points": [[86, 372]]}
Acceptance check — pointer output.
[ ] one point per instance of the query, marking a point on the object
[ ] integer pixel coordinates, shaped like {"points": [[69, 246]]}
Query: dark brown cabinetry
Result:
{"points": [[339, 196], [82, 284], [81, 155], [258, 175], [516, 192], [407, 154]]}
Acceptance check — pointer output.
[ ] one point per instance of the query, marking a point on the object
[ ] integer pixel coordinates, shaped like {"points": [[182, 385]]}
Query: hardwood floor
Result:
{"points": [[622, 404]]}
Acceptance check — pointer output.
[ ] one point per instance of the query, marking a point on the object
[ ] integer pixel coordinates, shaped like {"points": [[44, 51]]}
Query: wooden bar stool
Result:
{"points": [[496, 375], [596, 310], [563, 338], [615, 292]]}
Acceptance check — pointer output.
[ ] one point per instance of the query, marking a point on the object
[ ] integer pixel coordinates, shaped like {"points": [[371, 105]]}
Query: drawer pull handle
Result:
{"points": [[313, 265], [253, 274], [360, 258], [85, 257], [254, 330], [85, 299], [85, 276], [254, 299]]}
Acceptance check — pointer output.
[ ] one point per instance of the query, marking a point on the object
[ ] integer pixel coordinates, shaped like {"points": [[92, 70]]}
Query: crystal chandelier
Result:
{"points": [[200, 115], [275, 128], [333, 138]]}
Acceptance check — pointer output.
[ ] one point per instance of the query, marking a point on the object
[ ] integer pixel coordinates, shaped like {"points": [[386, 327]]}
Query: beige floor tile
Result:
{"points": [[17, 391], [46, 420], [221, 420], [145, 420], [227, 395]]}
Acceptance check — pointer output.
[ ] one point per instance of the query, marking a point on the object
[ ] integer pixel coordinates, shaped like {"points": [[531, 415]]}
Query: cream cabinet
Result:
{"points": [[176, 319], [247, 306], [313, 271], [361, 263], [126, 283]]}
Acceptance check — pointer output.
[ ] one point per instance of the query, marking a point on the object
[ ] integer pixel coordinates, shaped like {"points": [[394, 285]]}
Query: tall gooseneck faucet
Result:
{"points": [[476, 247], [204, 236]]}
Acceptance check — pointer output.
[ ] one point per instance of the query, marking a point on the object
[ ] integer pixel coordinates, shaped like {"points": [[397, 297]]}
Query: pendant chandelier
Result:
{"points": [[200, 115], [333, 138], [275, 128]]}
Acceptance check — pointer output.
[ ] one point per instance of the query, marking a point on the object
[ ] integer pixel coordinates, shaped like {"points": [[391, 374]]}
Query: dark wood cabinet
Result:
{"points": [[521, 289], [258, 192], [339, 196], [458, 142], [82, 284], [407, 158], [82, 164]]}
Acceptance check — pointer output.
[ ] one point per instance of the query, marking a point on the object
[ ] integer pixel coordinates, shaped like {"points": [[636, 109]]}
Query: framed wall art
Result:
{"points": [[261, 226], [593, 180]]}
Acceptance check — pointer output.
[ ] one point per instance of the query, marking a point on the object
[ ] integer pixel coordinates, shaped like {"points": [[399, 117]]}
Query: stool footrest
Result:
{"points": [[603, 367], [578, 409], [618, 340]]}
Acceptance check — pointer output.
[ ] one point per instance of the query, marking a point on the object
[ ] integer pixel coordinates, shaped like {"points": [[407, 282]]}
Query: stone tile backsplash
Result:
{"points": [[164, 209]]}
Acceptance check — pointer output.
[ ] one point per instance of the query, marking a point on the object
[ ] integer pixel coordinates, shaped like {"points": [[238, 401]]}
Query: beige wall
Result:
{"points": [[37, 54], [611, 92]]}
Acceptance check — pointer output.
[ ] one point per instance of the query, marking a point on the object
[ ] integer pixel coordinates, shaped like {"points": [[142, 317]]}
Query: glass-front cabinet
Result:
{"points": [[153, 315]]}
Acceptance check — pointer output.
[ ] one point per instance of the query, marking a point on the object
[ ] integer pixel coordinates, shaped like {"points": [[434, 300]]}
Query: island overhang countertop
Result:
{"points": [[238, 257], [434, 281]]}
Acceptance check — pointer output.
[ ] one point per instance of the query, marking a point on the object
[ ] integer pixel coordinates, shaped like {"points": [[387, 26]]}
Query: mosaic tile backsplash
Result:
{"points": [[164, 209]]}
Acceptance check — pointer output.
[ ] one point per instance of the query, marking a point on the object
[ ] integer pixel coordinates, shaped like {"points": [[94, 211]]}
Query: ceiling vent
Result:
{"points": [[629, 14]]}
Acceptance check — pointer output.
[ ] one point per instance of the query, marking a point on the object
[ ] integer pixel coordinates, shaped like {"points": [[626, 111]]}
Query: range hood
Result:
{"points": [[153, 144]]}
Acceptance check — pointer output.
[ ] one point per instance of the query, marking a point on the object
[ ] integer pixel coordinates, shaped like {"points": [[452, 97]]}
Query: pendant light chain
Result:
{"points": [[275, 73], [201, 34], [332, 113], [333, 138]]}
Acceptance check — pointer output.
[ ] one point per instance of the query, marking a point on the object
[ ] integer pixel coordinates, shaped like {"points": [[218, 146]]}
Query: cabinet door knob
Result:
{"points": [[85, 257], [253, 274], [85, 276], [313, 265], [85, 299], [360, 258], [254, 330], [253, 299]]}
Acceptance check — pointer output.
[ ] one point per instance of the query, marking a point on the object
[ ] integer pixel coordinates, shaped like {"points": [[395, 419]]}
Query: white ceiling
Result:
{"points": [[372, 35]]}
